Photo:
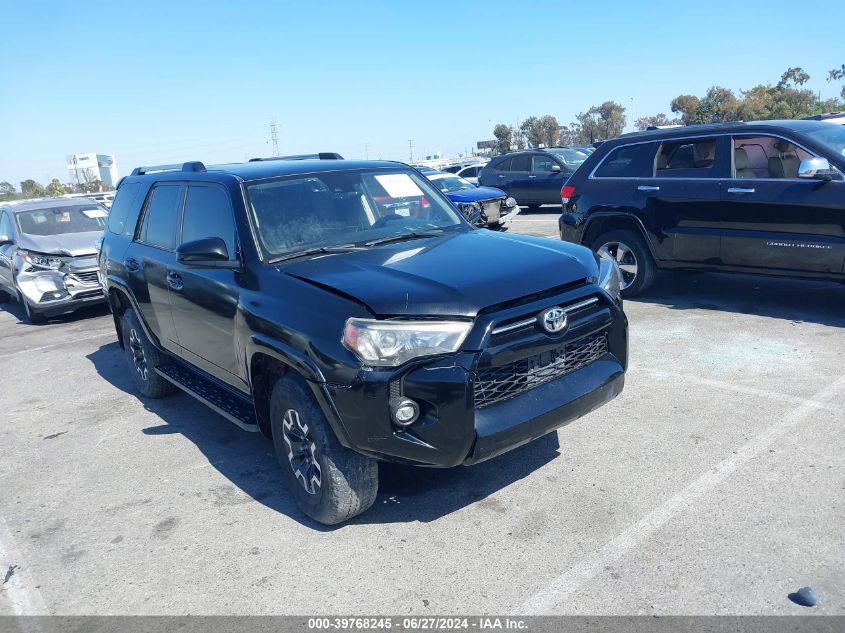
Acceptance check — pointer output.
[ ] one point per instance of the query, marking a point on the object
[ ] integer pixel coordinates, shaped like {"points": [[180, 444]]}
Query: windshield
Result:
{"points": [[344, 207], [572, 157], [449, 184], [60, 220], [830, 135]]}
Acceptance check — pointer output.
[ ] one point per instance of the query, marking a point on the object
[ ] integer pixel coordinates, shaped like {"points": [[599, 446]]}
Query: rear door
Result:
{"points": [[545, 183], [151, 253], [519, 178], [205, 300], [682, 199], [776, 221]]}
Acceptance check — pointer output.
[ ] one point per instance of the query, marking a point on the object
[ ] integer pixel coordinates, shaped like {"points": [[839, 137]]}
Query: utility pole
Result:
{"points": [[366, 151], [274, 137], [411, 150]]}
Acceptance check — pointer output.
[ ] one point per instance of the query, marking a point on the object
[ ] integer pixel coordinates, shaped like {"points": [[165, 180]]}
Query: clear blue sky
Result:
{"points": [[157, 82]]}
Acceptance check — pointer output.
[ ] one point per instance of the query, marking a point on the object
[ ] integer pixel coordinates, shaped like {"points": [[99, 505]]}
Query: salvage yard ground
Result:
{"points": [[715, 484]]}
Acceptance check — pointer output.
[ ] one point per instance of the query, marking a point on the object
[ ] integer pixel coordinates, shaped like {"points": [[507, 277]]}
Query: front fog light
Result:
{"points": [[404, 412]]}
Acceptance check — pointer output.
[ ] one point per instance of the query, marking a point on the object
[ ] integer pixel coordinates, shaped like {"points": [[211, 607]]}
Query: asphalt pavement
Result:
{"points": [[712, 485]]}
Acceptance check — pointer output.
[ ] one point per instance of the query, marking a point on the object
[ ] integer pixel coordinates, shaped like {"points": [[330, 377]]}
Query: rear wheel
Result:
{"points": [[330, 483], [143, 358], [631, 253]]}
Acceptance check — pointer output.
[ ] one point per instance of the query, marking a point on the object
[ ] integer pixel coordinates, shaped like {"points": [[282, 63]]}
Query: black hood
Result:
{"points": [[456, 274]]}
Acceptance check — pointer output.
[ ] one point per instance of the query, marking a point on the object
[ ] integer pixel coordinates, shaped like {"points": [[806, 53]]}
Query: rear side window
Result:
{"points": [[123, 203], [208, 213], [162, 217], [627, 161], [542, 163], [505, 165], [687, 159], [521, 163]]}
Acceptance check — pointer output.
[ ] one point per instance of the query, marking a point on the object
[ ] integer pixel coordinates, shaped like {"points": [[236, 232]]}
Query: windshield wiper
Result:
{"points": [[405, 236], [322, 250]]}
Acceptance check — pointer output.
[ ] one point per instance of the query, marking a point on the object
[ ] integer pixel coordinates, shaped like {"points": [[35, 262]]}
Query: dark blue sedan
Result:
{"points": [[484, 206]]}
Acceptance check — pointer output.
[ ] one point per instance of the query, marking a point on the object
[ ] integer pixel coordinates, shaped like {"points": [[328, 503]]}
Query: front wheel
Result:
{"points": [[32, 315], [634, 259], [330, 483], [143, 358]]}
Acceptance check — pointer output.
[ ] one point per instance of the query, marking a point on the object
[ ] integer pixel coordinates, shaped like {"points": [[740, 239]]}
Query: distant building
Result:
{"points": [[85, 168]]}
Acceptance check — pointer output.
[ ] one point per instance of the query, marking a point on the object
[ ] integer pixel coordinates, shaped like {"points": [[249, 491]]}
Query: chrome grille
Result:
{"points": [[497, 384]]}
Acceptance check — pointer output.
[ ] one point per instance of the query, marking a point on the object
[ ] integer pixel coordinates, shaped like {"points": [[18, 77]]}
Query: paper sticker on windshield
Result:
{"points": [[94, 213], [399, 185]]}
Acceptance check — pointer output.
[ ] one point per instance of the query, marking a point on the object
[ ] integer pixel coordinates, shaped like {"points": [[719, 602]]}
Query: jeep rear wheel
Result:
{"points": [[330, 483], [143, 358], [631, 253]]}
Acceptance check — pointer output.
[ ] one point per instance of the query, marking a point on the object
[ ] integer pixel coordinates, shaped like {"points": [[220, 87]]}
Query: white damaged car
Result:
{"points": [[48, 254]]}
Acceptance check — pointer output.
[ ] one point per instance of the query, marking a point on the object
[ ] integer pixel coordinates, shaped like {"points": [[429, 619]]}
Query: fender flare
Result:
{"points": [[304, 367], [628, 217]]}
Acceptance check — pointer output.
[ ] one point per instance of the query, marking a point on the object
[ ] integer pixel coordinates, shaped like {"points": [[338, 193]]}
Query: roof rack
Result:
{"points": [[318, 156], [193, 165]]}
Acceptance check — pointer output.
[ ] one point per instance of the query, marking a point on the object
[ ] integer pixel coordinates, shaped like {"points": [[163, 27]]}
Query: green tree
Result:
{"points": [[547, 130], [585, 127], [718, 104], [504, 137], [529, 131], [643, 123], [835, 75], [55, 188], [687, 106], [32, 189], [611, 119], [7, 191]]}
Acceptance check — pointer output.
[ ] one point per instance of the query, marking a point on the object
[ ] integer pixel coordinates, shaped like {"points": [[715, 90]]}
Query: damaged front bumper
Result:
{"points": [[55, 291]]}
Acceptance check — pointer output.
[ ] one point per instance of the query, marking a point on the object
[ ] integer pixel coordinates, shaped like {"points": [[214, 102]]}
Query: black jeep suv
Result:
{"points": [[343, 309], [766, 197]]}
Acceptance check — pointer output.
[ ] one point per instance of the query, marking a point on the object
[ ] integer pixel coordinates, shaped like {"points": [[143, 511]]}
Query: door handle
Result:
{"points": [[532, 176], [131, 264], [740, 190], [648, 188], [501, 175], [174, 280]]}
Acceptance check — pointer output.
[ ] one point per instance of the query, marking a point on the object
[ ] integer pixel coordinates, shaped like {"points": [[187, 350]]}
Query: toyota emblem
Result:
{"points": [[554, 320]]}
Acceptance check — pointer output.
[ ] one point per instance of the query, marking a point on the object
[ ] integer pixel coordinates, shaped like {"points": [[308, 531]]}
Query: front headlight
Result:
{"points": [[470, 208], [510, 202], [610, 277], [392, 343], [40, 261]]}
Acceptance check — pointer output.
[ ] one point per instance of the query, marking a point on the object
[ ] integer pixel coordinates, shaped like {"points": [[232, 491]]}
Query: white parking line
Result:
{"points": [[729, 386], [17, 583], [32, 350], [559, 590]]}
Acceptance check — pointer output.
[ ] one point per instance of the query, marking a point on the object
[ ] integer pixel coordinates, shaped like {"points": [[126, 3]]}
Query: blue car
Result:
{"points": [[483, 206]]}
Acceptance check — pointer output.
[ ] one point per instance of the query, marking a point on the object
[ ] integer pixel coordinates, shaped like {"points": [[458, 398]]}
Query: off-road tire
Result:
{"points": [[138, 348], [645, 267], [348, 482]]}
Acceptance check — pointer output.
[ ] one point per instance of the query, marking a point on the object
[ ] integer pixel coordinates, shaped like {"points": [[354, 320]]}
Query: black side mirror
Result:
{"points": [[5, 239], [209, 252]]}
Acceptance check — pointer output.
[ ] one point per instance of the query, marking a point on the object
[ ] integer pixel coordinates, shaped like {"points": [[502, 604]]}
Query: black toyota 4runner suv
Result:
{"points": [[765, 197], [345, 309]]}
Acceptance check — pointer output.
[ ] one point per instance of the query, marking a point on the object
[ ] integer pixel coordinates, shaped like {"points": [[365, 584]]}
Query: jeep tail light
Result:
{"points": [[566, 193]]}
